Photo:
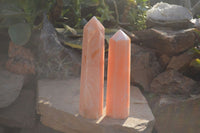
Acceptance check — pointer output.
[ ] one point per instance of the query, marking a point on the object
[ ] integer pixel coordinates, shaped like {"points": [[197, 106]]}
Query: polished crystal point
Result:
{"points": [[120, 35], [92, 70], [118, 79]]}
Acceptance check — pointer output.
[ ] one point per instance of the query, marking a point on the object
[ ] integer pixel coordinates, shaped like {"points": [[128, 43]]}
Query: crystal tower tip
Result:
{"points": [[120, 35], [94, 22]]}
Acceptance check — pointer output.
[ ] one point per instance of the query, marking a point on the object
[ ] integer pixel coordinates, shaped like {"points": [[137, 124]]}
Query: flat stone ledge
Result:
{"points": [[58, 105], [38, 128], [178, 115], [10, 87], [21, 113], [1, 130]]}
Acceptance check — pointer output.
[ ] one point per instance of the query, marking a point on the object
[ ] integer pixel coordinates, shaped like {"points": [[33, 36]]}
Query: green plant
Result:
{"points": [[73, 11], [20, 33], [196, 51], [19, 17], [105, 13], [195, 63], [136, 10]]}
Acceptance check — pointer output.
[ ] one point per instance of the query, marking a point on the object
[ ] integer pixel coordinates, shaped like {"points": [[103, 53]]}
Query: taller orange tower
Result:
{"points": [[92, 70]]}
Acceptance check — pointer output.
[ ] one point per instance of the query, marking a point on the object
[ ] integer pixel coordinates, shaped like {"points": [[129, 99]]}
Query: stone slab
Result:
{"points": [[144, 66], [10, 87], [21, 113], [58, 105], [178, 116], [179, 62], [39, 128], [11, 130], [166, 40], [1, 130], [172, 82], [3, 59], [4, 37]]}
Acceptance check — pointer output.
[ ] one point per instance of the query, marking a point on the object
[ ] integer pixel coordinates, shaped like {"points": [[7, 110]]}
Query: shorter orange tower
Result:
{"points": [[118, 79]]}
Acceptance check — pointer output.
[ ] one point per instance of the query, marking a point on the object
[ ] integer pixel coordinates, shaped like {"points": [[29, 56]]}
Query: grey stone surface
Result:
{"points": [[58, 105], [175, 25], [1, 130], [172, 82], [11, 130], [10, 87], [168, 15], [178, 62], [144, 66], [39, 128], [22, 112], [3, 59], [178, 116], [4, 37], [164, 60], [54, 60], [166, 40]]}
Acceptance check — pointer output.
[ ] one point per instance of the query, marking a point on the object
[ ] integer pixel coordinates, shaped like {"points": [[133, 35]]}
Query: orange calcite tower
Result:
{"points": [[92, 70], [118, 82]]}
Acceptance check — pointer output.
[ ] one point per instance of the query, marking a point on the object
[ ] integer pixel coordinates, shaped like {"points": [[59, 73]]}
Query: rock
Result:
{"points": [[1, 130], [58, 67], [10, 87], [192, 72], [175, 25], [196, 89], [144, 66], [170, 99], [59, 109], [11, 130], [21, 113], [168, 15], [4, 37], [169, 12], [178, 116], [51, 45], [3, 59], [21, 60], [166, 41], [172, 82], [39, 128], [164, 60], [53, 59], [178, 62], [196, 22]]}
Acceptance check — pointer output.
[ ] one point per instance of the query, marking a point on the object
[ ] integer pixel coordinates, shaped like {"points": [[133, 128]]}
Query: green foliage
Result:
{"points": [[196, 54], [20, 33], [25, 10], [137, 13], [194, 51], [195, 63], [19, 16], [73, 11], [20, 13], [105, 13], [72, 8]]}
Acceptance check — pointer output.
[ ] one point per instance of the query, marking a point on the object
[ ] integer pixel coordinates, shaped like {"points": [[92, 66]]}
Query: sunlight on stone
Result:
{"points": [[45, 102], [102, 117], [133, 122]]}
